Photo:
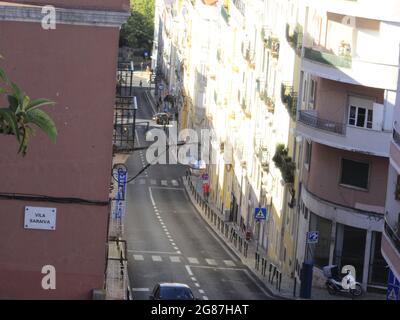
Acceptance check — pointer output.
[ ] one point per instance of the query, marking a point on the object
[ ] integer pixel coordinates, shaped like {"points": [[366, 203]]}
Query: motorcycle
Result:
{"points": [[346, 284]]}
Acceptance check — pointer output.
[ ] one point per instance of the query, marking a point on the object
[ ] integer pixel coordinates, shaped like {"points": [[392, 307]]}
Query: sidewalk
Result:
{"points": [[279, 285]]}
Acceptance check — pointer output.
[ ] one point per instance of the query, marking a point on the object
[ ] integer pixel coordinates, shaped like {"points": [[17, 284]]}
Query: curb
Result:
{"points": [[231, 247]]}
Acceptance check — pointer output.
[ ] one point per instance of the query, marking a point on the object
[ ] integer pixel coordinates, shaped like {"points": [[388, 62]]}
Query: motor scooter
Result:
{"points": [[334, 282]]}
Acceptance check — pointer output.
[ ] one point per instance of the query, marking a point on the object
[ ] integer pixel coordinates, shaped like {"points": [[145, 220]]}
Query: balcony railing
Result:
{"points": [[273, 45], [294, 38], [393, 235], [323, 124], [124, 113], [343, 61], [396, 137], [225, 14], [249, 56], [269, 101], [289, 98], [239, 4]]}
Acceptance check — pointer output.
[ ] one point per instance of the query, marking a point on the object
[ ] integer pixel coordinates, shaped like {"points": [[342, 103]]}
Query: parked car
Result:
{"points": [[162, 118], [172, 291]]}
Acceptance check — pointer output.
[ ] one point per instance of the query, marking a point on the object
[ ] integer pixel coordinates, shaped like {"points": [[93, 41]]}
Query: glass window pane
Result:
{"points": [[361, 117], [369, 119], [355, 173], [352, 115]]}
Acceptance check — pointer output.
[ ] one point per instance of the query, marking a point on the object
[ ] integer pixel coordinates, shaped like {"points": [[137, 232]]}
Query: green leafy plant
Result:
{"points": [[22, 113], [284, 163]]}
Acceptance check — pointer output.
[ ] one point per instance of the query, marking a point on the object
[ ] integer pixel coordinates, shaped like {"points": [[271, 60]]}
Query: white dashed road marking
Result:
{"points": [[189, 270], [138, 257], [141, 289], [229, 263], [156, 258], [211, 262], [193, 260], [175, 259]]}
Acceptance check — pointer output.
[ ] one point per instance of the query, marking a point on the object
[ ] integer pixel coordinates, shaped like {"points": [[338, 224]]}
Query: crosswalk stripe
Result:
{"points": [[175, 259], [153, 182], [211, 262], [164, 182], [229, 263], [193, 260], [138, 257], [142, 181], [175, 183], [156, 258]]}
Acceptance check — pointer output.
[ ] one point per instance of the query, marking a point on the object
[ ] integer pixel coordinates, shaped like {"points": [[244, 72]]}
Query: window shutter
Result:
{"points": [[377, 117]]}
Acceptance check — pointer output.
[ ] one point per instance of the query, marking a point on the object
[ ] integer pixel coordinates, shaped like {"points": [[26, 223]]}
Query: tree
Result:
{"points": [[138, 31], [22, 112]]}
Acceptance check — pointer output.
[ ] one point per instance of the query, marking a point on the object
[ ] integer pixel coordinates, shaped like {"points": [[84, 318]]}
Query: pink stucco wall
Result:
{"points": [[114, 5], [324, 176], [332, 98], [74, 66]]}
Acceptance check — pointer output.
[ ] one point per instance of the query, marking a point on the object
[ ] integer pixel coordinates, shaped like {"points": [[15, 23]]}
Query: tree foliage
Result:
{"points": [[22, 112], [138, 31]]}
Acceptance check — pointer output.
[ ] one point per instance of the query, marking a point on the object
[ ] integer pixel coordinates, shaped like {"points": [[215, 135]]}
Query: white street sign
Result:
{"points": [[40, 218]]}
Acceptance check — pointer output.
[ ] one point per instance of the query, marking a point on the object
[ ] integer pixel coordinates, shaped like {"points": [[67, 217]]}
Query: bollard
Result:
{"points": [[280, 281], [269, 274]]}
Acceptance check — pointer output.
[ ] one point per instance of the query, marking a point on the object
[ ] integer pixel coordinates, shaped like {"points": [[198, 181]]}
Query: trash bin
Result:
{"points": [[306, 275]]}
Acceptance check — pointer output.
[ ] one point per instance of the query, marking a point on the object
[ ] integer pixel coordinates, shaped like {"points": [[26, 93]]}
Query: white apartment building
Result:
{"points": [[319, 80]]}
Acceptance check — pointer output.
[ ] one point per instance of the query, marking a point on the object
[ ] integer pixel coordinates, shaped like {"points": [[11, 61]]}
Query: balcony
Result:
{"points": [[272, 43], [124, 114], [343, 61], [240, 5], [289, 99], [391, 246], [269, 102], [250, 58], [341, 136], [349, 69], [225, 14], [294, 37], [396, 136], [311, 120]]}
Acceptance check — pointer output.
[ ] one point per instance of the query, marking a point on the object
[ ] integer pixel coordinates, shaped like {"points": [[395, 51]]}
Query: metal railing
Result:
{"points": [[396, 136], [124, 118], [328, 58], [225, 14], [125, 78], [393, 236], [323, 124]]}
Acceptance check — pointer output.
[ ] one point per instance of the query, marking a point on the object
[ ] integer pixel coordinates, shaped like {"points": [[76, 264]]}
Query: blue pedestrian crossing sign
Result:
{"points": [[260, 213], [393, 287], [312, 236]]}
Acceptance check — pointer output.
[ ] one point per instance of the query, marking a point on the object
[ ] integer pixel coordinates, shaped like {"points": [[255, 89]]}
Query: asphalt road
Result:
{"points": [[167, 239]]}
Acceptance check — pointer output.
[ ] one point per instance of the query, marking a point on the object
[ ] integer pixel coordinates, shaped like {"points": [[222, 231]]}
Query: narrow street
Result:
{"points": [[168, 241]]}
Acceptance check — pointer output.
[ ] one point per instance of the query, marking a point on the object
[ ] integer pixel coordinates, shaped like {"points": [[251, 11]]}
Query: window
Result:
{"points": [[313, 89], [360, 117], [307, 154], [320, 251], [354, 173]]}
